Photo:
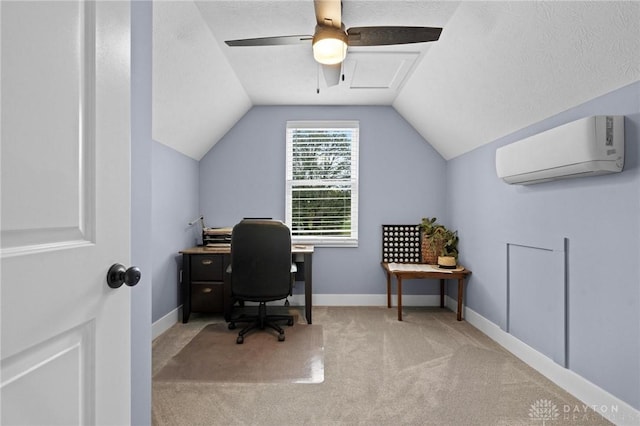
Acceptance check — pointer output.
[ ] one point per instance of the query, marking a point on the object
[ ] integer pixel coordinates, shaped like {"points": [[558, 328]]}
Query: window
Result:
{"points": [[322, 182]]}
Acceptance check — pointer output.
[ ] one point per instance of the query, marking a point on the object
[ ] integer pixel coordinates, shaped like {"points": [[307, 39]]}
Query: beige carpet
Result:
{"points": [[214, 356], [426, 370]]}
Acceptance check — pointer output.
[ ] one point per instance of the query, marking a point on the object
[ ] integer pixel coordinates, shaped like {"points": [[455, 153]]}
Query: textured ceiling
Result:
{"points": [[498, 66], [197, 98]]}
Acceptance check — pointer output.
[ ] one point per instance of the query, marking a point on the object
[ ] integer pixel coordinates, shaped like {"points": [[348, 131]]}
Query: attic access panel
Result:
{"points": [[378, 70]]}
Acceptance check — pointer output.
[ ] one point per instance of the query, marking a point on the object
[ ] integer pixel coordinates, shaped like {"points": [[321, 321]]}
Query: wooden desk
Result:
{"points": [[206, 286], [417, 270]]}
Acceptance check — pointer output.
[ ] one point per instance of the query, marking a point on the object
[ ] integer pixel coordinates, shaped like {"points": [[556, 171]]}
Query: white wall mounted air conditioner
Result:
{"points": [[585, 147]]}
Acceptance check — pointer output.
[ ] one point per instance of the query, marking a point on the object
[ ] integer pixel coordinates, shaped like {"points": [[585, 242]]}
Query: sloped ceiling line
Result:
{"points": [[498, 66]]}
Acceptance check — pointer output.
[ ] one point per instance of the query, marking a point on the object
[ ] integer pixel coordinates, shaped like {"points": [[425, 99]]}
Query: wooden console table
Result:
{"points": [[419, 270]]}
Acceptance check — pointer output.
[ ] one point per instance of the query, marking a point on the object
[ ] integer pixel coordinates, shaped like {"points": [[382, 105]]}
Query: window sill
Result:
{"points": [[326, 242]]}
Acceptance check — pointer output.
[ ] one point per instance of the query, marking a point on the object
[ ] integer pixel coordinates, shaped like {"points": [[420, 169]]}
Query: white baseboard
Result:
{"points": [[365, 300], [610, 407], [165, 323]]}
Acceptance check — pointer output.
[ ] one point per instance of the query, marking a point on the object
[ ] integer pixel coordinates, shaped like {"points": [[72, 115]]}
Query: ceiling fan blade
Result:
{"points": [[332, 74], [271, 41], [328, 12], [382, 36]]}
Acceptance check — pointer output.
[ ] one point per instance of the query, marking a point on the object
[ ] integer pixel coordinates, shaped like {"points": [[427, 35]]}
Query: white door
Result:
{"points": [[65, 133]]}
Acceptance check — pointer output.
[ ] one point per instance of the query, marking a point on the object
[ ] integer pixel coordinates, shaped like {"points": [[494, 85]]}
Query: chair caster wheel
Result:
{"points": [[232, 325], [240, 340], [290, 322], [281, 337]]}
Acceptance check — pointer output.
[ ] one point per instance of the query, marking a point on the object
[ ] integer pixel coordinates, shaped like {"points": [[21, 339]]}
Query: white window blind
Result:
{"points": [[322, 182]]}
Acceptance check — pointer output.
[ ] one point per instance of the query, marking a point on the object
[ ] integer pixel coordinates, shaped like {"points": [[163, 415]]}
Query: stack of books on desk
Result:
{"points": [[214, 237]]}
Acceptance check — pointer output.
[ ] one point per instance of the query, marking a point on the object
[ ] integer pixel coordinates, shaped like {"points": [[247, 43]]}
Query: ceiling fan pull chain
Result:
{"points": [[318, 79]]}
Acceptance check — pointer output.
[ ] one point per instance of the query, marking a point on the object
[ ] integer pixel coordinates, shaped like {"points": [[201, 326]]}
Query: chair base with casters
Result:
{"points": [[260, 321]]}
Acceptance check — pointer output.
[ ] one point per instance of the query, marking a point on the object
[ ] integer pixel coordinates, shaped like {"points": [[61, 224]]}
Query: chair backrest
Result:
{"points": [[260, 260]]}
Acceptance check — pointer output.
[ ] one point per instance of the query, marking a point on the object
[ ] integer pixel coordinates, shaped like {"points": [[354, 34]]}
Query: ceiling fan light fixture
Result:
{"points": [[329, 45]]}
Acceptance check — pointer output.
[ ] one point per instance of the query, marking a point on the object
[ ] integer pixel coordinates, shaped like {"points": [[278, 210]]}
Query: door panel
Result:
{"points": [[47, 92], [30, 379], [65, 212]]}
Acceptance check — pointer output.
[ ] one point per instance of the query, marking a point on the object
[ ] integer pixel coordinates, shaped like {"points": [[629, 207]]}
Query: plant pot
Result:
{"points": [[430, 249]]}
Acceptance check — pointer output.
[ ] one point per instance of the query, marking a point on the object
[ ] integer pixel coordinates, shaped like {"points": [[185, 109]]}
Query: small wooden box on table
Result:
{"points": [[420, 270]]}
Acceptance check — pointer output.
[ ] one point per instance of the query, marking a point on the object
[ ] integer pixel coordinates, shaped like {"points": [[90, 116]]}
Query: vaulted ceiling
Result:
{"points": [[498, 66]]}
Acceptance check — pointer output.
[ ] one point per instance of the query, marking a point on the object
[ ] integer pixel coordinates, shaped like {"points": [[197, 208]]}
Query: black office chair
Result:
{"points": [[261, 271]]}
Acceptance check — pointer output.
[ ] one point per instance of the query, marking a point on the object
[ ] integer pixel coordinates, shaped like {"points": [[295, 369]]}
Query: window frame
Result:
{"points": [[326, 241]]}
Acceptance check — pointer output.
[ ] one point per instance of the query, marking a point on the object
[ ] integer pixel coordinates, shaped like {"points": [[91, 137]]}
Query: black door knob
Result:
{"points": [[119, 275]]}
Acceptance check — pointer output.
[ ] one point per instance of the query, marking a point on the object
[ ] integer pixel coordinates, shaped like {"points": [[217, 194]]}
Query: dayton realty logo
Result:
{"points": [[543, 410]]}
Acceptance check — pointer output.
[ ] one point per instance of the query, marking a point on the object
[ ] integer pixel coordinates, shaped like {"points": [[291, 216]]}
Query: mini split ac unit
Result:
{"points": [[586, 147]]}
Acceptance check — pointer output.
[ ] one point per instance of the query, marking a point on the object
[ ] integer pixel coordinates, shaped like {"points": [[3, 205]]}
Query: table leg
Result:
{"points": [[388, 289], [308, 286], [227, 307], [399, 297], [460, 295], [442, 293]]}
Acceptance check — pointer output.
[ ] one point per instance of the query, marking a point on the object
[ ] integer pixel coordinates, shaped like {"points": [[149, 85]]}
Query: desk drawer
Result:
{"points": [[207, 297], [207, 267]]}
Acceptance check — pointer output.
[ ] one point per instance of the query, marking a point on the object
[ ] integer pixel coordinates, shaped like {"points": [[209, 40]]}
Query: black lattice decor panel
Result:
{"points": [[401, 243]]}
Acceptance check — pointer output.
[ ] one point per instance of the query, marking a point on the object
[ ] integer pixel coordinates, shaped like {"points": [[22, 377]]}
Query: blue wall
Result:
{"points": [[402, 179], [175, 203], [600, 219]]}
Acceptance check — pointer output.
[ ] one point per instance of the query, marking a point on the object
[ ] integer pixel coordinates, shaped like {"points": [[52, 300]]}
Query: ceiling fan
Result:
{"points": [[330, 39]]}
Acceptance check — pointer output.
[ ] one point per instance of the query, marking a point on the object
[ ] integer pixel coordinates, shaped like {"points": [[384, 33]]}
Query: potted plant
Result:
{"points": [[439, 244]]}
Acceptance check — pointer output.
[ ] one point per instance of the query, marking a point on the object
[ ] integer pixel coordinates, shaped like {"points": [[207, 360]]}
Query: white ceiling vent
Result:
{"points": [[378, 70]]}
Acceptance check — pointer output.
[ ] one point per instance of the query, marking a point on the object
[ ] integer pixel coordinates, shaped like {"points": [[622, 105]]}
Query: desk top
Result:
{"points": [[422, 269], [226, 249]]}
